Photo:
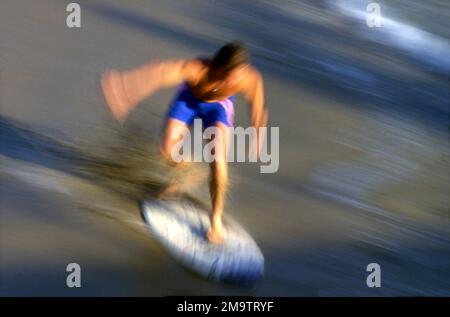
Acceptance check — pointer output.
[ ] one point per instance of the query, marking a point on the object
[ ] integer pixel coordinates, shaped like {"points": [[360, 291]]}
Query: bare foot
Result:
{"points": [[172, 191], [215, 237], [215, 234]]}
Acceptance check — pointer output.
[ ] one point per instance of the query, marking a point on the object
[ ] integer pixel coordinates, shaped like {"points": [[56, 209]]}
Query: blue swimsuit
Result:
{"points": [[185, 107]]}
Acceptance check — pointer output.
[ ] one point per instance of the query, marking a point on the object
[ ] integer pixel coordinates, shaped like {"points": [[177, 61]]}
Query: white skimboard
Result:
{"points": [[181, 227]]}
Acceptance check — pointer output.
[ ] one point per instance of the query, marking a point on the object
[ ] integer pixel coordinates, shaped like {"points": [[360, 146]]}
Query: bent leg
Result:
{"points": [[173, 133]]}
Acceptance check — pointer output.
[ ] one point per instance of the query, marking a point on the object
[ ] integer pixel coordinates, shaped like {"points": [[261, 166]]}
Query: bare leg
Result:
{"points": [[173, 133], [218, 186]]}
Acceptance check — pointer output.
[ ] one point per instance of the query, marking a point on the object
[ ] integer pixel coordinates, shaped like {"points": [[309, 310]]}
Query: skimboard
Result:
{"points": [[181, 228]]}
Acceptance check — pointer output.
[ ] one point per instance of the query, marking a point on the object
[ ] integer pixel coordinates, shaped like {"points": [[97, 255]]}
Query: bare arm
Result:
{"points": [[254, 94], [124, 90]]}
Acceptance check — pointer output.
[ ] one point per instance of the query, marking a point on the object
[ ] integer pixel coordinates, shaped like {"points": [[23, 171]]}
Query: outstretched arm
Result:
{"points": [[124, 90]]}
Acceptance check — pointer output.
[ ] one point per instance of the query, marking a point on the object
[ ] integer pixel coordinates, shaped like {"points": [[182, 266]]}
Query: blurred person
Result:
{"points": [[207, 87]]}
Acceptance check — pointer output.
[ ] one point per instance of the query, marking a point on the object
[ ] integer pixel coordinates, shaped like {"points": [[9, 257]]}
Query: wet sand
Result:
{"points": [[364, 156]]}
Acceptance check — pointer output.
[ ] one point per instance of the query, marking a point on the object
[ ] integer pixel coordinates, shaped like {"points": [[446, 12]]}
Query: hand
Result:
{"points": [[256, 147], [115, 94]]}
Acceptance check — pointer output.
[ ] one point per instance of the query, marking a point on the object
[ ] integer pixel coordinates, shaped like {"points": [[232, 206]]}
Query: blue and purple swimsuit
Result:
{"points": [[185, 107]]}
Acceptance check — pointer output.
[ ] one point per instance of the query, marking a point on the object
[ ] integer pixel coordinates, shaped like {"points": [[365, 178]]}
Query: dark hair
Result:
{"points": [[230, 56]]}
